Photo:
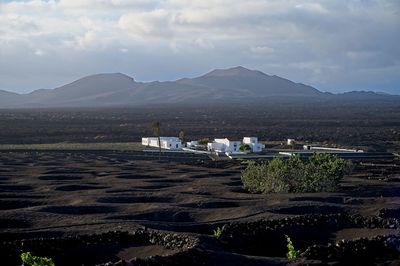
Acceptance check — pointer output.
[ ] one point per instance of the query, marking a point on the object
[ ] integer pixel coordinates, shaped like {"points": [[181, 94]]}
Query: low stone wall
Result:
{"points": [[312, 234], [334, 220], [70, 250], [379, 249]]}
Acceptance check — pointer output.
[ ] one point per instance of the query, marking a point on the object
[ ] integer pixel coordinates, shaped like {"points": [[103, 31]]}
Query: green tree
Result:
{"points": [[277, 177], [156, 131], [324, 172], [254, 175], [321, 172], [296, 177]]}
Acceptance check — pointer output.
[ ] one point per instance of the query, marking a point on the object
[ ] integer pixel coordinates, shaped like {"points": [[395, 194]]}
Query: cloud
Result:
{"points": [[104, 4], [261, 49], [329, 44], [151, 24], [39, 52]]}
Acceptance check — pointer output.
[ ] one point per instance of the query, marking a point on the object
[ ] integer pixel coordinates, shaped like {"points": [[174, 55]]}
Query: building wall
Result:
{"points": [[153, 142], [232, 146], [171, 143], [145, 141], [250, 140], [218, 146], [257, 147], [253, 143], [226, 145]]}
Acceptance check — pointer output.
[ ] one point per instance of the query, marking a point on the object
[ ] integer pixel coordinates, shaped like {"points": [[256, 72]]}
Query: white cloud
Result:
{"points": [[310, 41], [104, 4], [261, 49], [312, 7], [39, 52], [152, 24]]}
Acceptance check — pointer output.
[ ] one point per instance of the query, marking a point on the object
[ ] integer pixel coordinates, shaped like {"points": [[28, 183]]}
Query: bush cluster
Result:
{"points": [[29, 260], [321, 172]]}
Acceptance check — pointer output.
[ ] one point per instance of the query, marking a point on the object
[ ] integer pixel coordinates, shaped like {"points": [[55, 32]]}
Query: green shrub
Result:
{"points": [[244, 147], [321, 172], [29, 260], [217, 233], [292, 252]]}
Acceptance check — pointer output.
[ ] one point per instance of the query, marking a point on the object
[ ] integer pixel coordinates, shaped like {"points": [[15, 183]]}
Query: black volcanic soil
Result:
{"points": [[68, 193], [368, 125]]}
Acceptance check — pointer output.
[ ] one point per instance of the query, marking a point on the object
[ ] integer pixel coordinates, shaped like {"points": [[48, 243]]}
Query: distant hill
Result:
{"points": [[100, 89], [242, 82], [8, 99], [220, 86]]}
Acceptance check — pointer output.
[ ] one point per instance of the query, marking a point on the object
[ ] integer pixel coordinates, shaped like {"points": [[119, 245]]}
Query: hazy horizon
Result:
{"points": [[334, 46], [194, 76]]}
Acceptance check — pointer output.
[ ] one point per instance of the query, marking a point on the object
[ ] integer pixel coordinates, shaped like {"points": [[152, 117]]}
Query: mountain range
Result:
{"points": [[220, 86]]}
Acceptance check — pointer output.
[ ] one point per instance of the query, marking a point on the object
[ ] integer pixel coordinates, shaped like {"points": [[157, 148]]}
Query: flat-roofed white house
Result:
{"points": [[169, 143], [224, 145], [253, 143]]}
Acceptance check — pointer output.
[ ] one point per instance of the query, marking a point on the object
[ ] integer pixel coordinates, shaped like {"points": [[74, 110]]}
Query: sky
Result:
{"points": [[335, 46]]}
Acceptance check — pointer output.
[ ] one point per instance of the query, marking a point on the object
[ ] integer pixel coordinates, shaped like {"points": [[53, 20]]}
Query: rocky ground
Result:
{"points": [[73, 195]]}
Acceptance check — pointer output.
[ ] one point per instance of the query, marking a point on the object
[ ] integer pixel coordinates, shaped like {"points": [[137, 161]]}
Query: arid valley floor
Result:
{"points": [[54, 194], [90, 206]]}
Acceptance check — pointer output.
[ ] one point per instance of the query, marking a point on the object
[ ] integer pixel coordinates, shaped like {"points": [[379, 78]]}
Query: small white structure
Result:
{"points": [[333, 149], [291, 142], [224, 145], [316, 148], [253, 143], [192, 144], [169, 143]]}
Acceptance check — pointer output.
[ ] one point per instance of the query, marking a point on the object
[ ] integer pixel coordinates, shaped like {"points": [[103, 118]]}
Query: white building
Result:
{"points": [[169, 143], [224, 145], [253, 143], [192, 144], [291, 142]]}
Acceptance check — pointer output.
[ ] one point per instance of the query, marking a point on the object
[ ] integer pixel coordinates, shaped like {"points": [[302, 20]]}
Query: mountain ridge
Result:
{"points": [[219, 86]]}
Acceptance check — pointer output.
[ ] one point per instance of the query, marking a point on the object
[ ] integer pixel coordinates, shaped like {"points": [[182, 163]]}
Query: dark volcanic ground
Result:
{"points": [[368, 126], [65, 193]]}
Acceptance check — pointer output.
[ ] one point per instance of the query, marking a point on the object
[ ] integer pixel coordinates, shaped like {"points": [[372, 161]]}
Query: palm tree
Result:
{"points": [[156, 131], [182, 136]]}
